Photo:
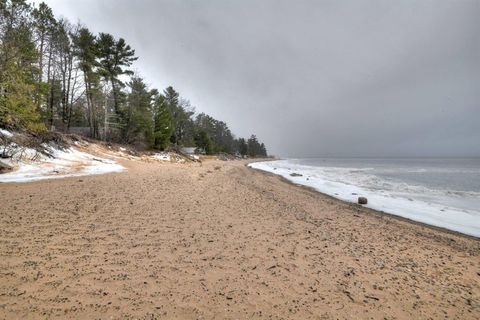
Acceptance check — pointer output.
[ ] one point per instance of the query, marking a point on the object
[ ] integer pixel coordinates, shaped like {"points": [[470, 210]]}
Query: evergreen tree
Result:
{"points": [[203, 142], [242, 147], [263, 150], [64, 75], [172, 101], [181, 113], [256, 149], [67, 71], [44, 24], [18, 55], [222, 137], [252, 146], [139, 125], [114, 56], [85, 50], [218, 131], [163, 127]]}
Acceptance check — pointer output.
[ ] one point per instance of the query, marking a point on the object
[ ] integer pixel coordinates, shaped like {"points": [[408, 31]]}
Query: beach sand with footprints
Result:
{"points": [[220, 241]]}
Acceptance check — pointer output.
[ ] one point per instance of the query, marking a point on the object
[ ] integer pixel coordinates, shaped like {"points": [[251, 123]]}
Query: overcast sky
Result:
{"points": [[313, 78]]}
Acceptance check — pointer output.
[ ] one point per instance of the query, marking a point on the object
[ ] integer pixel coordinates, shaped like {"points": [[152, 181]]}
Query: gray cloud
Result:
{"points": [[314, 78]]}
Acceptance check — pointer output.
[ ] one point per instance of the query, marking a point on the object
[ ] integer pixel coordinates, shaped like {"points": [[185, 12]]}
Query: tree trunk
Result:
{"points": [[72, 95], [89, 108], [67, 91], [40, 65], [52, 97], [105, 122], [64, 100], [40, 62], [49, 62], [115, 97], [49, 95]]}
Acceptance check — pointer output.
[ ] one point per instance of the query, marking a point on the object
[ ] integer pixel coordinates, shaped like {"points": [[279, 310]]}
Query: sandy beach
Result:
{"points": [[220, 241]]}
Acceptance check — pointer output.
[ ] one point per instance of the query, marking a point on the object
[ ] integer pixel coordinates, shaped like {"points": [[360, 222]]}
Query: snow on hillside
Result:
{"points": [[30, 165]]}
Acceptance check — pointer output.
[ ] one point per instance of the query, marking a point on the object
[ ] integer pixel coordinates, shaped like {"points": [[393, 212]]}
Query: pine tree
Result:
{"points": [[42, 61], [181, 112], [67, 71], [114, 56], [44, 23], [253, 146], [163, 124], [139, 125], [242, 147], [85, 50], [263, 150], [17, 66], [202, 141]]}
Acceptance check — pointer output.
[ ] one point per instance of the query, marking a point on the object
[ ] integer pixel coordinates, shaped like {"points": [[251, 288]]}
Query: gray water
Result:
{"points": [[449, 181], [440, 192]]}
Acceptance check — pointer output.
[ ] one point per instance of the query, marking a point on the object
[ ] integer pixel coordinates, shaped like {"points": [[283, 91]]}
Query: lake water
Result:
{"points": [[437, 191]]}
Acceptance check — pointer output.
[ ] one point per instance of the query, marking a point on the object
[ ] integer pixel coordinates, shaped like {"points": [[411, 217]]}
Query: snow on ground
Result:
{"points": [[6, 133], [162, 156], [65, 163]]}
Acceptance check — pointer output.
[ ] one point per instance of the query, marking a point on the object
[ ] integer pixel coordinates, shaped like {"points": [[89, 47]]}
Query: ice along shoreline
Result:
{"points": [[437, 215]]}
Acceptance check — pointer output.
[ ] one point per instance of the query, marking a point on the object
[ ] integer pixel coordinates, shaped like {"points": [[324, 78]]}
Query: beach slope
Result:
{"points": [[220, 241]]}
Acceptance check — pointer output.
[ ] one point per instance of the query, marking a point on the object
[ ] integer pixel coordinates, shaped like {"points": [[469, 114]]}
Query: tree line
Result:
{"points": [[55, 75]]}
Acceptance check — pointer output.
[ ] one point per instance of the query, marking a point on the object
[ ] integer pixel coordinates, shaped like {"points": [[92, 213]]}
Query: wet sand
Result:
{"points": [[220, 241]]}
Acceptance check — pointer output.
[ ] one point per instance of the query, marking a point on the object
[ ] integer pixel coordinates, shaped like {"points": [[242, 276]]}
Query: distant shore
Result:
{"points": [[220, 241]]}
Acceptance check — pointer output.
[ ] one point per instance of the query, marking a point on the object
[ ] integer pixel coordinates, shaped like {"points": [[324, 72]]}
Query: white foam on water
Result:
{"points": [[433, 207]]}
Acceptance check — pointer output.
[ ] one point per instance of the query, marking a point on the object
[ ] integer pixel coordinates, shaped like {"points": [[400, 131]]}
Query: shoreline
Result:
{"points": [[366, 209], [220, 241], [433, 212]]}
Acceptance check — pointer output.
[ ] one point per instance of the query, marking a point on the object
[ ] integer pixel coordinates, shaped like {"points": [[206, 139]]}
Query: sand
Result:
{"points": [[220, 241]]}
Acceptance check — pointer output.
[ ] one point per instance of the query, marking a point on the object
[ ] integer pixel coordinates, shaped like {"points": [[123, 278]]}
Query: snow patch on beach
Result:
{"points": [[407, 201], [31, 166], [6, 133], [162, 156]]}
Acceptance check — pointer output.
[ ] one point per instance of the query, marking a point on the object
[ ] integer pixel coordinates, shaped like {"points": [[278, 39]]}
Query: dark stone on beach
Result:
{"points": [[296, 174], [362, 200]]}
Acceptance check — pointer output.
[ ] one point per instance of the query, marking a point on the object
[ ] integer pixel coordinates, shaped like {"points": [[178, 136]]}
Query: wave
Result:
{"points": [[457, 210]]}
